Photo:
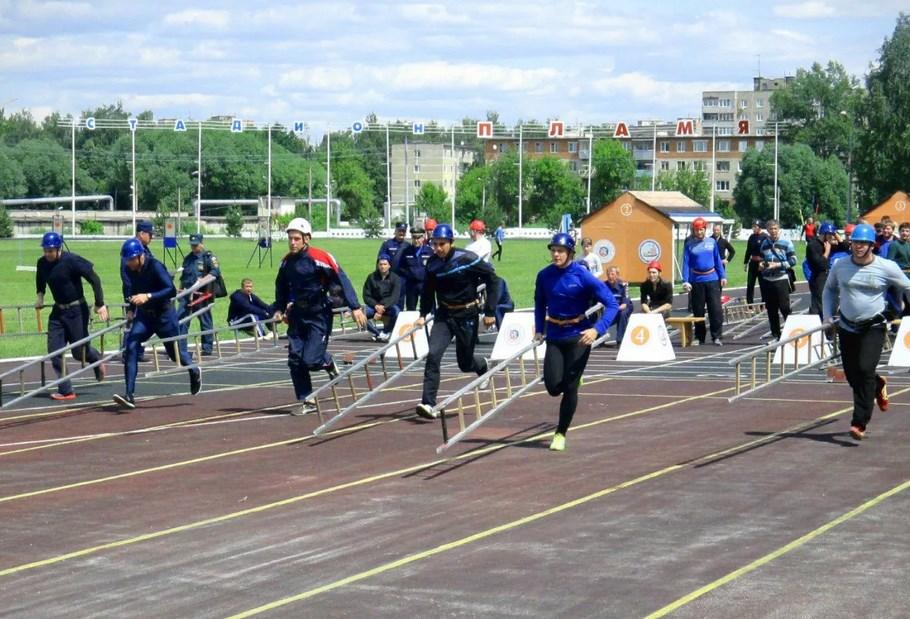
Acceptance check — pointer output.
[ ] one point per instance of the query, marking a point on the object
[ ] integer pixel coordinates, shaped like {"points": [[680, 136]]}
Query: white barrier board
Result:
{"points": [[516, 332], [646, 339], [800, 323], [404, 322], [900, 353]]}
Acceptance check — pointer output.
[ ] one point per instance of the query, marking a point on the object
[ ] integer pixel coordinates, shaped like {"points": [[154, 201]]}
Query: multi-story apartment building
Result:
{"points": [[413, 164], [725, 109]]}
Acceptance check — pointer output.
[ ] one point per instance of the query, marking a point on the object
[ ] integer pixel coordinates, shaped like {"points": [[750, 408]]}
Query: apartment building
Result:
{"points": [[725, 109], [413, 164]]}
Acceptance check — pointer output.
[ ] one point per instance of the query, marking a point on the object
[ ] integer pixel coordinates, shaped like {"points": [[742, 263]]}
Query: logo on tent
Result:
{"points": [[649, 250]]}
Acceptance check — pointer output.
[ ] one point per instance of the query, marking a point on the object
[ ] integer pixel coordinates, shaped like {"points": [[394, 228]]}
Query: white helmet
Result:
{"points": [[301, 225]]}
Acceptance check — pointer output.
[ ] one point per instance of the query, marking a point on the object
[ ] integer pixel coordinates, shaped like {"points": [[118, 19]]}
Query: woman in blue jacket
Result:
{"points": [[563, 293]]}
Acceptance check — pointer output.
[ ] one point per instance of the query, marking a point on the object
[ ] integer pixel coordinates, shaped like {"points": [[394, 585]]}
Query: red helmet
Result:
{"points": [[477, 225], [429, 224], [699, 223], [654, 264], [848, 229]]}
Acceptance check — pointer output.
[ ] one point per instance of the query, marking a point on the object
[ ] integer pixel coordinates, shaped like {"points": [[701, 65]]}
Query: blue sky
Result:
{"points": [[331, 63]]}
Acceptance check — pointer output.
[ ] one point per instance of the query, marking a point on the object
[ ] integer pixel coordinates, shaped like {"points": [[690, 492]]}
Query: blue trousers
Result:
{"points": [[145, 325], [308, 341], [65, 326], [205, 322], [392, 313], [621, 321]]}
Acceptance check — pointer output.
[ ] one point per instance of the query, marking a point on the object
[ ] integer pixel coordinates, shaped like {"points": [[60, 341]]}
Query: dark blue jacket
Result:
{"points": [[196, 266], [243, 304], [567, 293], [412, 263], [453, 280], [305, 278], [391, 247], [151, 278]]}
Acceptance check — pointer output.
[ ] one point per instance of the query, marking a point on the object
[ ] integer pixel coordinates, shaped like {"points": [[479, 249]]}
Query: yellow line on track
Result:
{"points": [[419, 556], [771, 556], [295, 499]]}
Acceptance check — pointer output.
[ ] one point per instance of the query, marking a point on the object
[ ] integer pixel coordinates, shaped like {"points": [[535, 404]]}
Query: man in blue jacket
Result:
{"points": [[197, 264], [703, 276], [148, 288], [411, 266], [245, 307], [778, 256]]}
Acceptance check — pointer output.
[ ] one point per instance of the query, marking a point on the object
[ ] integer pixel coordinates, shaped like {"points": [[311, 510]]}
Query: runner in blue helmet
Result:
{"points": [[149, 289], [452, 278], [856, 290], [63, 273], [51, 240], [562, 295]]}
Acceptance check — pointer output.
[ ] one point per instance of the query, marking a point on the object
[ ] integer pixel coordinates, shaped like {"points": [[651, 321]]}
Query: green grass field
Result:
{"points": [[521, 261]]}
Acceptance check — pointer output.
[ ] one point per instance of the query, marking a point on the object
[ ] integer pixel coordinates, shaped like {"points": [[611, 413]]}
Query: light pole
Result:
{"points": [[846, 115], [198, 175]]}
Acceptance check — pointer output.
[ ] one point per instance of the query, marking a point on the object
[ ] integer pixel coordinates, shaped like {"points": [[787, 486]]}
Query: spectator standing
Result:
{"points": [[778, 256], [500, 237], [703, 277], [196, 265], [592, 260], [752, 259], [479, 244]]}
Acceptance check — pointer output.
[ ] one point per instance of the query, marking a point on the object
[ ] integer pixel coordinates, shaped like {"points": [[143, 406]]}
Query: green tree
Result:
{"points": [[433, 200], [555, 190], [6, 224], [692, 183], [354, 187], [805, 181], [233, 221], [882, 156], [45, 166], [817, 107], [614, 171], [12, 180]]}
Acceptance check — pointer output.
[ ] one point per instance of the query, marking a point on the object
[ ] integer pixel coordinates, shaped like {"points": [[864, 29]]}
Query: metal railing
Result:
{"points": [[825, 349], [758, 321], [524, 379]]}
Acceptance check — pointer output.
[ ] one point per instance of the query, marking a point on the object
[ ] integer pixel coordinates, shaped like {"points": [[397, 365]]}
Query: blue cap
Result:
{"points": [[195, 239], [401, 226], [145, 225], [385, 257]]}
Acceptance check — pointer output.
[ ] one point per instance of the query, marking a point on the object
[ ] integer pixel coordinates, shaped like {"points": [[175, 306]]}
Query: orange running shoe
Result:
{"points": [[881, 393]]}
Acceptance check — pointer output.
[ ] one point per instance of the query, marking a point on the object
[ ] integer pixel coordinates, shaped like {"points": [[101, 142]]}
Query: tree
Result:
{"points": [[555, 190], [12, 180], [882, 155], [692, 183], [233, 221], [434, 202], [354, 187], [6, 224], [45, 166], [614, 171], [817, 107], [807, 184]]}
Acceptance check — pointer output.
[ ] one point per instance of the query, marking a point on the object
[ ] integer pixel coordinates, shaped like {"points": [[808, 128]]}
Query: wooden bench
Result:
{"points": [[685, 324]]}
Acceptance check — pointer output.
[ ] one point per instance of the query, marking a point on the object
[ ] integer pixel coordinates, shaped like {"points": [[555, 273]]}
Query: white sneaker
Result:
{"points": [[426, 411], [309, 406], [383, 337]]}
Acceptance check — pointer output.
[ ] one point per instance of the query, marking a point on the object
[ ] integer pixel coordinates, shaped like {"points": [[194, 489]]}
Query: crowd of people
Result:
{"points": [[422, 269]]}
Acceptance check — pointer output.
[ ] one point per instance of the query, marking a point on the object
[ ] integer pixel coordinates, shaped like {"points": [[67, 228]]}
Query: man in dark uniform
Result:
{"points": [[723, 245], [68, 322], [453, 276], [752, 259], [301, 296], [411, 266], [818, 251], [392, 246], [149, 289], [197, 264]]}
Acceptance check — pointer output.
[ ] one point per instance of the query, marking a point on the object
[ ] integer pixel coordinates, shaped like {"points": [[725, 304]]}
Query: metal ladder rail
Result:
{"points": [[63, 350], [768, 351], [372, 390], [761, 321], [489, 376]]}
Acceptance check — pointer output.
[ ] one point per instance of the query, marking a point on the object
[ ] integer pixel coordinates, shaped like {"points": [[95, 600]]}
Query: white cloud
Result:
{"points": [[813, 9], [430, 14], [217, 20], [647, 88], [792, 36], [173, 100], [56, 10], [446, 75]]}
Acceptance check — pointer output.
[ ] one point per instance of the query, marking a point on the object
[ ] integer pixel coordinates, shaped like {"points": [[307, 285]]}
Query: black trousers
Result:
{"points": [[498, 253], [816, 286], [65, 326], [776, 294], [463, 327], [563, 365], [860, 353], [707, 293], [751, 276], [412, 290]]}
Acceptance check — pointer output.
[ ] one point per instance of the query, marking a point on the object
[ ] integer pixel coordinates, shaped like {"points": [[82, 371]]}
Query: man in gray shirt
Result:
{"points": [[858, 285]]}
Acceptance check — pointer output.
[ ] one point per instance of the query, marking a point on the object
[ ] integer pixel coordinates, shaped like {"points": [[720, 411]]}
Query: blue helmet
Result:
{"points": [[443, 232], [131, 249], [562, 239], [827, 228], [51, 240], [863, 233]]}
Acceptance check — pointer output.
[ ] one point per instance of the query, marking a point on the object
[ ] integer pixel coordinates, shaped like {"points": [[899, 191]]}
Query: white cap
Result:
{"points": [[301, 225]]}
